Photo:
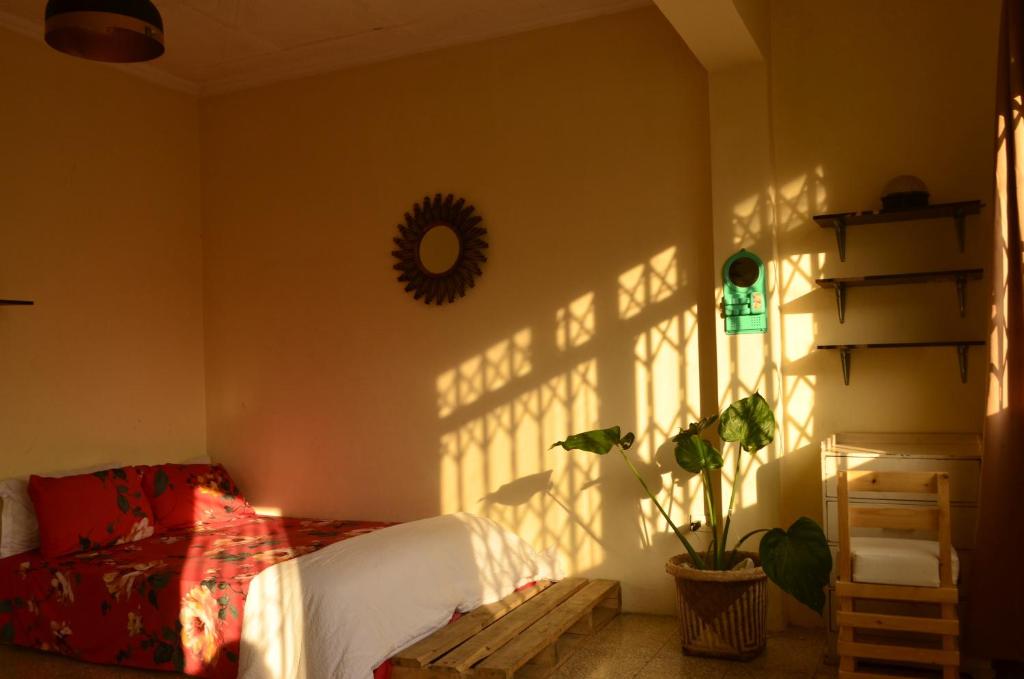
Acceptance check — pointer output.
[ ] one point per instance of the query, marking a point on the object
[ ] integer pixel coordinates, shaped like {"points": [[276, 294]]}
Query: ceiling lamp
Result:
{"points": [[105, 30]]}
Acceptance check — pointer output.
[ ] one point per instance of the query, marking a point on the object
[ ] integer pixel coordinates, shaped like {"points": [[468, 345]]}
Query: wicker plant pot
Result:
{"points": [[722, 614]]}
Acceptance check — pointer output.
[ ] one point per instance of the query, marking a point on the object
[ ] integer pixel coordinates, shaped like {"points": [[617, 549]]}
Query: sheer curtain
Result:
{"points": [[995, 619]]}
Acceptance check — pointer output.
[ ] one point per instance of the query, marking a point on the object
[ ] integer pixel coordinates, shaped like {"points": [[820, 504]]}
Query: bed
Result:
{"points": [[173, 601], [261, 597]]}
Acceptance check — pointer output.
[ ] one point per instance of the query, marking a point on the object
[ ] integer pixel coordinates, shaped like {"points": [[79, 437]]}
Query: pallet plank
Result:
{"points": [[508, 627], [445, 639], [503, 663]]}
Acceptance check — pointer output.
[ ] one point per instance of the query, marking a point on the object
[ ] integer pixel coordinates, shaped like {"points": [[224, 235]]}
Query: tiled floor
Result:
{"points": [[630, 646], [647, 646]]}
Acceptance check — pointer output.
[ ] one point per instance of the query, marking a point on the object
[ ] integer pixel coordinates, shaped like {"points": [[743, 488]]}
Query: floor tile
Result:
{"points": [[630, 647]]}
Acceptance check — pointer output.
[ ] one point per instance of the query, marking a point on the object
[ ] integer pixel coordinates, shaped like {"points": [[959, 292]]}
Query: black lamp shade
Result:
{"points": [[105, 30]]}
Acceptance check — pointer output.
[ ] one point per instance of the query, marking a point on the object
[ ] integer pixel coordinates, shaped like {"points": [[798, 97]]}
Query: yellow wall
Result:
{"points": [[333, 393], [744, 217], [612, 184], [862, 92], [849, 95], [99, 224]]}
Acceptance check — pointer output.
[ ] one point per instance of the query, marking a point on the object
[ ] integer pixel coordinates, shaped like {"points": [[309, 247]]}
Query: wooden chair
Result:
{"points": [[937, 587]]}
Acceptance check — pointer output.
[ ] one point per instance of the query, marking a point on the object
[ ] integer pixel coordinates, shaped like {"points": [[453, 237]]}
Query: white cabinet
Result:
{"points": [[957, 454]]}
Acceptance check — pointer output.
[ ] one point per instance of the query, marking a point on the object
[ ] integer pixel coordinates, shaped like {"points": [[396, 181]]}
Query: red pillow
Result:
{"points": [[183, 494], [90, 511]]}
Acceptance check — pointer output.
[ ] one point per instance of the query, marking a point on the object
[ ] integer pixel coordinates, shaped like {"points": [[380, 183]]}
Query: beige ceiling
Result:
{"points": [[217, 46]]}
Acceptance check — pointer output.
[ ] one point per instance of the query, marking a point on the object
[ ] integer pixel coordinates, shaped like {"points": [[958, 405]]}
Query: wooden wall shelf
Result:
{"points": [[846, 349], [959, 276], [16, 302], [956, 211]]}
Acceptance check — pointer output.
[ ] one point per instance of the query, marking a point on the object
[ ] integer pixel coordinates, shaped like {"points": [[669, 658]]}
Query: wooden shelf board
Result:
{"points": [[903, 345], [902, 278], [937, 211], [16, 302]]}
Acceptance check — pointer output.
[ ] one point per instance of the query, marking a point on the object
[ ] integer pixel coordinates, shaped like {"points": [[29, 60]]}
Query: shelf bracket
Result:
{"points": [[844, 358], [841, 301], [839, 224], [961, 294], [960, 219], [961, 356]]}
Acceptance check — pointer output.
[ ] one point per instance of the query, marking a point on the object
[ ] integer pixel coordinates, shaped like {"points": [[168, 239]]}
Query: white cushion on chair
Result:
{"points": [[898, 561]]}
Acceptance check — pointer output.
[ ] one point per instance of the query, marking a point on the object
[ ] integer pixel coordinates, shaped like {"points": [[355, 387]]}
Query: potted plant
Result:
{"points": [[721, 595]]}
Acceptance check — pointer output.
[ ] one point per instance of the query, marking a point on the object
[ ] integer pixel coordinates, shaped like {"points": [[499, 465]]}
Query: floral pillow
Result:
{"points": [[184, 494], [90, 511]]}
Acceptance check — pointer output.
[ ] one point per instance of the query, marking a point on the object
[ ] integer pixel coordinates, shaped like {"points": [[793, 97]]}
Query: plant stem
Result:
{"points": [[709, 508], [725, 536], [744, 539], [694, 556], [732, 502]]}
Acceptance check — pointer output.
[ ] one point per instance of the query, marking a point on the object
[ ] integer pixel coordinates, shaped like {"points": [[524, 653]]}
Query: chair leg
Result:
{"points": [[950, 643], [847, 663]]}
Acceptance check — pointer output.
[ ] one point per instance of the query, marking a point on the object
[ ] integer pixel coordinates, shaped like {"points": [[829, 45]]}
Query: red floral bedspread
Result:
{"points": [[172, 602]]}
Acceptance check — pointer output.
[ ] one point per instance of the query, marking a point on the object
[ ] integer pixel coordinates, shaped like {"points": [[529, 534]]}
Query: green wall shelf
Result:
{"points": [[958, 212], [959, 276], [846, 349]]}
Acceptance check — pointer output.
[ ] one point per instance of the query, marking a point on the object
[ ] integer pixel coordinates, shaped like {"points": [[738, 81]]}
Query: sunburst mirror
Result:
{"points": [[440, 249]]}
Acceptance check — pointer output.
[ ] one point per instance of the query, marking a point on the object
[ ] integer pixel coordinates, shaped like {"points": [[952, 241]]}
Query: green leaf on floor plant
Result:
{"points": [[700, 425], [598, 441], [694, 454], [798, 561], [750, 422]]}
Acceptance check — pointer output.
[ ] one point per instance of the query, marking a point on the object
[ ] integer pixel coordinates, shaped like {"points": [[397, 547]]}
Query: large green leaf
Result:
{"points": [[799, 561], [749, 422], [598, 441], [694, 454], [700, 425]]}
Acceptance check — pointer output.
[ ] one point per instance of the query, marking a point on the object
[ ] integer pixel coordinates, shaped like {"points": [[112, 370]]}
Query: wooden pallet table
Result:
{"points": [[524, 636]]}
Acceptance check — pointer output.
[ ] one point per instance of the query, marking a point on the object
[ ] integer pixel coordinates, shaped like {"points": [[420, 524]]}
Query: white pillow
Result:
{"points": [[19, 529]]}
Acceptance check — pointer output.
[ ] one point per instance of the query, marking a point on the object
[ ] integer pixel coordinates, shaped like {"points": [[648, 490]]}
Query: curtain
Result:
{"points": [[995, 618]]}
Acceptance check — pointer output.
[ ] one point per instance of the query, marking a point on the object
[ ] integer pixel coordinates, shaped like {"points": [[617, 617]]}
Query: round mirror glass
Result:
{"points": [[743, 272], [439, 249]]}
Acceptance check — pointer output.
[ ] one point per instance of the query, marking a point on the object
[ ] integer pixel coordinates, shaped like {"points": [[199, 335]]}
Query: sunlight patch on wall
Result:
{"points": [[998, 384], [801, 198], [798, 273], [575, 322], [749, 219], [655, 280], [798, 393], [498, 465], [750, 369], [484, 373], [667, 377], [798, 336]]}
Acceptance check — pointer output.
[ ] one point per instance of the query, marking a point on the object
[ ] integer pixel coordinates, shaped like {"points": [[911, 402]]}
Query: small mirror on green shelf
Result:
{"points": [[744, 299]]}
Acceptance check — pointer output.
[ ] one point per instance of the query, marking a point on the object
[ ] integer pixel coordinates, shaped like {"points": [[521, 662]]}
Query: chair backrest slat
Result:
{"points": [[897, 518]]}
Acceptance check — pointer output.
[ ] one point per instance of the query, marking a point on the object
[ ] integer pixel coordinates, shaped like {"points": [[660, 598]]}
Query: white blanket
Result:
{"points": [[340, 612]]}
